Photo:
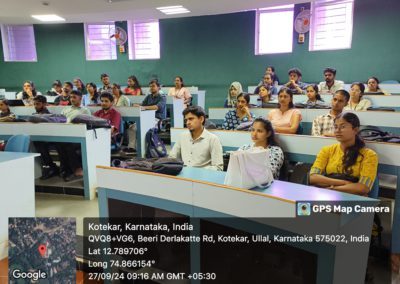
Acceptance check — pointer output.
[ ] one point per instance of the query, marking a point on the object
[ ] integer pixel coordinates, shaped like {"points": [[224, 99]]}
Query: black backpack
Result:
{"points": [[168, 166], [92, 122], [373, 133], [155, 148]]}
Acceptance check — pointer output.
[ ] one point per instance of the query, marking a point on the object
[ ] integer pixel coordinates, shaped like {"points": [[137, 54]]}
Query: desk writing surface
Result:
{"points": [[284, 190], [9, 156]]}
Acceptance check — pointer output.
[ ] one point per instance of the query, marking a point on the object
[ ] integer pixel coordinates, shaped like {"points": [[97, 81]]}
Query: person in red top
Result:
{"points": [[108, 112]]}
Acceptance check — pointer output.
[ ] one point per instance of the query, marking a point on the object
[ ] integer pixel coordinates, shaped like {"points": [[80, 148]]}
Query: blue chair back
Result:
{"points": [[300, 129], [374, 192], [18, 143]]}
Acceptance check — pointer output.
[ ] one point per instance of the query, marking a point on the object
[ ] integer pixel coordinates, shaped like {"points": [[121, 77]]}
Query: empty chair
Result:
{"points": [[18, 143]]}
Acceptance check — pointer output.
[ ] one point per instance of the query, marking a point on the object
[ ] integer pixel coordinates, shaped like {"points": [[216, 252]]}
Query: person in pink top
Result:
{"points": [[180, 92], [133, 88], [285, 119]]}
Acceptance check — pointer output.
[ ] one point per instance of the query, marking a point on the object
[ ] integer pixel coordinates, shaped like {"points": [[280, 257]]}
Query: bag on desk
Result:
{"points": [[249, 168], [50, 118], [168, 166], [373, 133], [92, 122]]}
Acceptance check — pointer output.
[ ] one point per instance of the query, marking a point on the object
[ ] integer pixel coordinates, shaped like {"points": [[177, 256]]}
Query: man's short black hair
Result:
{"points": [[330, 70], [69, 84], [154, 81], [76, 92], [295, 70], [40, 99], [104, 75], [344, 93], [195, 110], [107, 95]]}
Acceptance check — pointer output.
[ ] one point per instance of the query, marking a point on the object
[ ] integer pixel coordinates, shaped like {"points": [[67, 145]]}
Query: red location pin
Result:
{"points": [[42, 250]]}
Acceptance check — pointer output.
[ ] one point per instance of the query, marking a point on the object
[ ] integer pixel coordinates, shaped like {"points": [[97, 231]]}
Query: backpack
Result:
{"points": [[155, 148], [53, 118], [373, 133], [92, 122], [168, 166]]}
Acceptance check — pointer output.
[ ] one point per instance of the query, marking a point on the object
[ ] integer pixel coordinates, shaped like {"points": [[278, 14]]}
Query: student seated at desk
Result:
{"points": [[92, 98], [263, 135], [64, 99], [235, 117], [324, 125], [265, 97], [295, 85], [198, 147], [348, 166], [69, 158], [373, 87], [330, 85], [28, 93], [120, 100], [155, 100], [49, 168], [5, 113], [79, 85], [109, 113], [56, 89], [105, 79], [268, 84], [314, 98], [133, 88], [356, 102], [180, 92], [285, 119], [234, 90]]}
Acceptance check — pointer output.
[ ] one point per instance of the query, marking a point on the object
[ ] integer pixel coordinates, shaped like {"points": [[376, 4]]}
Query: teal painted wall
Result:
{"points": [[213, 51]]}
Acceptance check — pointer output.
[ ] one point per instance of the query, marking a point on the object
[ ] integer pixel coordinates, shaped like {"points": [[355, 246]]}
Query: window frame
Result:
{"points": [[131, 39], [87, 50], [281, 8], [5, 43], [311, 46]]}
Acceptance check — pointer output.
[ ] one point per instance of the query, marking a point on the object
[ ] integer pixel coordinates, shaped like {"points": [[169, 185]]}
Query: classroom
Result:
{"points": [[219, 81]]}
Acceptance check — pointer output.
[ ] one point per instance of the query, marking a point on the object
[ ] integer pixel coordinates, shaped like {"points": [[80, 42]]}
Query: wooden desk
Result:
{"points": [[199, 193], [95, 144], [18, 191]]}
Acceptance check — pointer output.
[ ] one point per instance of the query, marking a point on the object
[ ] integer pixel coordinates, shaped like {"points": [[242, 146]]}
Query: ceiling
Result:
{"points": [[79, 11]]}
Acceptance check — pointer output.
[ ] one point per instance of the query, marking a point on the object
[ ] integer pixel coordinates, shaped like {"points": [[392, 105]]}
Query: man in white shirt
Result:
{"points": [[70, 112], [330, 85], [71, 162], [198, 147]]}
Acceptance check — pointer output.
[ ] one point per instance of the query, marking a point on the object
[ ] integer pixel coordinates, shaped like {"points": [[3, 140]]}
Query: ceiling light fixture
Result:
{"points": [[48, 18], [172, 10]]}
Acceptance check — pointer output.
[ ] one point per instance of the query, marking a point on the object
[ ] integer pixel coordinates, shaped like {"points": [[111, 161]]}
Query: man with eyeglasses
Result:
{"points": [[323, 125]]}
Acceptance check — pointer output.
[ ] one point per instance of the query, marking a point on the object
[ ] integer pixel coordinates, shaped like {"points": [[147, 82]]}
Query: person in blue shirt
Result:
{"points": [[155, 100], [235, 117], [295, 85]]}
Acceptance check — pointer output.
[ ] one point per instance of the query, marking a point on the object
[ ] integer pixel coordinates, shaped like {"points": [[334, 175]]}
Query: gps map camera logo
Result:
{"points": [[303, 209]]}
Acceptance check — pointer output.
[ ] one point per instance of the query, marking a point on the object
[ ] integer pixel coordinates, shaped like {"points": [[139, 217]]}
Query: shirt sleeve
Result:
{"points": [[217, 161], [369, 168], [298, 112], [316, 128], [146, 101], [161, 104], [227, 121], [320, 162], [116, 120], [176, 150], [276, 160]]}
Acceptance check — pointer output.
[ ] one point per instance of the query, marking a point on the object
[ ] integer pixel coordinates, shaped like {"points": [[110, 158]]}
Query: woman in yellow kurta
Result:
{"points": [[349, 157]]}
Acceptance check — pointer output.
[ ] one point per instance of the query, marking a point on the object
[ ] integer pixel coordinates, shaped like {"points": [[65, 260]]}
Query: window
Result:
{"points": [[331, 24], [274, 30], [144, 40], [18, 43], [99, 45]]}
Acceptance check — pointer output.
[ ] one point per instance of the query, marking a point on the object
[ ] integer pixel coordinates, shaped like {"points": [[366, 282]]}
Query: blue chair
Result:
{"points": [[18, 143], [374, 192]]}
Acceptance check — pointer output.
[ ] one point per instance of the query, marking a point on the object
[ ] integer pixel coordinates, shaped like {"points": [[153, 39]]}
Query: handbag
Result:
{"points": [[249, 169]]}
